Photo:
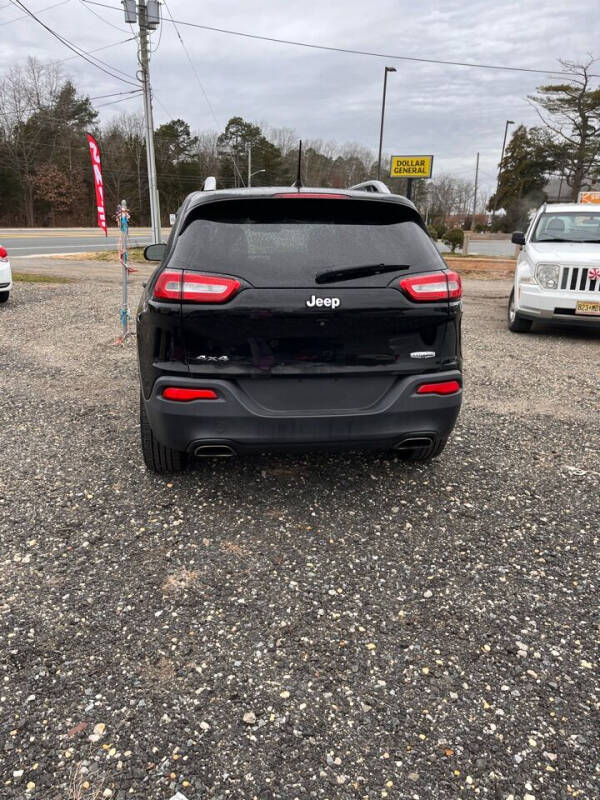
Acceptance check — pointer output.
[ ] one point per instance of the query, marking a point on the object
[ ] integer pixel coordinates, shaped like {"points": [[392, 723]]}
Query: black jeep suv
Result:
{"points": [[297, 318]]}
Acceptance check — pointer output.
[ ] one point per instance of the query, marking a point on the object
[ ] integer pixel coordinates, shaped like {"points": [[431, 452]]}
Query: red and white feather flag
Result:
{"points": [[98, 182]]}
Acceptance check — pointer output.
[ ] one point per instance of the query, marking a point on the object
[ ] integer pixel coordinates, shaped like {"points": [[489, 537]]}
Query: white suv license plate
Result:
{"points": [[585, 307]]}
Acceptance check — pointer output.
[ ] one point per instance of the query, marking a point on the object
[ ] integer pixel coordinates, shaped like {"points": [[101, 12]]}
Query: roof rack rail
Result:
{"points": [[372, 186], [210, 184]]}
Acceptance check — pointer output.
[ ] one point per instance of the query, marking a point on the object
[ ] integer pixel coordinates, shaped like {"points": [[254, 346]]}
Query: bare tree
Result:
{"points": [[286, 139], [26, 91], [207, 153], [571, 113], [449, 196]]}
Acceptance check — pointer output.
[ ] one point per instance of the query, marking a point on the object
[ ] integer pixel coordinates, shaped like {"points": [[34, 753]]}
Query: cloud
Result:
{"points": [[449, 111]]}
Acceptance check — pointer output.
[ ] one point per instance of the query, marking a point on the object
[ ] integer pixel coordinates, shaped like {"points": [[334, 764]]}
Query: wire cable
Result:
{"points": [[106, 22], [192, 65], [113, 94], [350, 51], [39, 11], [121, 100], [73, 47], [200, 84], [95, 50]]}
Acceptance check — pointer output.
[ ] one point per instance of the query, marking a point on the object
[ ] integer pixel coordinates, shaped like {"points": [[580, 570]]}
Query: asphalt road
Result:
{"points": [[296, 626], [46, 241]]}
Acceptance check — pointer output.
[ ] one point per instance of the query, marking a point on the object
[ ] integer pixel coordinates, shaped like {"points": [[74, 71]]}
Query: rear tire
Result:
{"points": [[516, 323], [157, 457], [4, 297], [423, 453]]}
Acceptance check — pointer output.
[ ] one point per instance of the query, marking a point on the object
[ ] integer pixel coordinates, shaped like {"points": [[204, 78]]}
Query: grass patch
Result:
{"points": [[485, 274], [135, 254], [33, 277], [478, 256]]}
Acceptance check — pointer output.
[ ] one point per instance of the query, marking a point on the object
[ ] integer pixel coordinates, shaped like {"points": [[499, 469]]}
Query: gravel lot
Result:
{"points": [[343, 626]]}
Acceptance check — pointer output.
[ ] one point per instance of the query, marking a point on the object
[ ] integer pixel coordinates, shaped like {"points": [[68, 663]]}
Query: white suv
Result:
{"points": [[557, 278]]}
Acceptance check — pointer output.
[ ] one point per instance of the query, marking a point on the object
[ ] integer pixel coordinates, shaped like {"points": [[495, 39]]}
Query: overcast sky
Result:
{"points": [[449, 111]]}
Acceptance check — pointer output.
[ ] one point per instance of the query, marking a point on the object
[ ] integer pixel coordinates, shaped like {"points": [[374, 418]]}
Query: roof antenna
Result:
{"points": [[298, 182]]}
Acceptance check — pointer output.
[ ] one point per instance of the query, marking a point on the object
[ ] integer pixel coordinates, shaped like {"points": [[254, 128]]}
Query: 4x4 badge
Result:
{"points": [[323, 302]]}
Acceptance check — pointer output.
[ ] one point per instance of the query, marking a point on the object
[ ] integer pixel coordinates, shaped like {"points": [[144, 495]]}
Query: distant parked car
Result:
{"points": [[5, 275], [558, 270]]}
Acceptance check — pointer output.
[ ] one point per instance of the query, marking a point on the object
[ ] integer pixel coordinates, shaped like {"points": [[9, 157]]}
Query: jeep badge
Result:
{"points": [[323, 302]]}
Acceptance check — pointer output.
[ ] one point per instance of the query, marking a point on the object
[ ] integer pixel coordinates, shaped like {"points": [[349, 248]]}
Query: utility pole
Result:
{"points": [[475, 193], [249, 184], [148, 17]]}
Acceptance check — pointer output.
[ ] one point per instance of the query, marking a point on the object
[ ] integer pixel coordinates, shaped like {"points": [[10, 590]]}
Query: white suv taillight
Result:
{"points": [[176, 284], [3, 254], [433, 286]]}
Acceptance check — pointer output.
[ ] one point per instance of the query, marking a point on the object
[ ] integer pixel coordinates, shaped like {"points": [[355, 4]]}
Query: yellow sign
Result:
{"points": [[589, 197], [411, 167]]}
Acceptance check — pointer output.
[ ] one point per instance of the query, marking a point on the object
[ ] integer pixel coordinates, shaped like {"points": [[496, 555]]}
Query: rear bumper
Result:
{"points": [[236, 420]]}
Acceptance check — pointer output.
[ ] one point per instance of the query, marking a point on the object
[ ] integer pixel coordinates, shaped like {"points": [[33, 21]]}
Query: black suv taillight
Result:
{"points": [[433, 286], [176, 284]]}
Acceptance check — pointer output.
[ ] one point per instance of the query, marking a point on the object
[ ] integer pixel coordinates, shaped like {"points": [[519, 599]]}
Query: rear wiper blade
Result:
{"points": [[349, 273]]}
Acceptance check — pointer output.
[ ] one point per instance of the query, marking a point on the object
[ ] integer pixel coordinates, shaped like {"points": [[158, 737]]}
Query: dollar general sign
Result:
{"points": [[411, 167]]}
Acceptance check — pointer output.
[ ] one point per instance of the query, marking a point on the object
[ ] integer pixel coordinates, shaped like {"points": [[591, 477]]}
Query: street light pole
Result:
{"points": [[495, 206], [250, 173], [385, 74], [256, 172]]}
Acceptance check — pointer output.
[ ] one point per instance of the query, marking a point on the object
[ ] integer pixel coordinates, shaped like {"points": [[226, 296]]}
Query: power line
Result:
{"points": [[350, 51], [112, 94], [200, 84], [112, 102], [46, 118], [39, 11], [105, 21], [71, 46], [166, 112], [95, 50], [192, 65]]}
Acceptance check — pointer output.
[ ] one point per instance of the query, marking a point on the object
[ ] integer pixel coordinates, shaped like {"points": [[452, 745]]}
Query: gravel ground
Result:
{"points": [[311, 626]]}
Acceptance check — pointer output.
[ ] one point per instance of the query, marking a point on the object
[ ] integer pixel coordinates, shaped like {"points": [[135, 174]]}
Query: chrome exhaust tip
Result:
{"points": [[413, 442], [214, 451]]}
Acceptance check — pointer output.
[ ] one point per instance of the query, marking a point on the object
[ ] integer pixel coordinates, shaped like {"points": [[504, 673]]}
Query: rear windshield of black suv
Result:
{"points": [[270, 241]]}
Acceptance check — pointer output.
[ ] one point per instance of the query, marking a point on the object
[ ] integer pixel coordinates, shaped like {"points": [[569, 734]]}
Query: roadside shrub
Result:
{"points": [[441, 230], [433, 232], [454, 238]]}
